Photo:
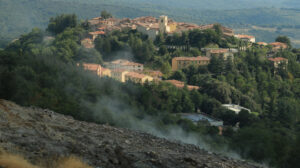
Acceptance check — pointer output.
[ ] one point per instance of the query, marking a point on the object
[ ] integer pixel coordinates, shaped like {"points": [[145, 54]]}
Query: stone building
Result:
{"points": [[223, 53], [137, 77], [244, 37], [119, 74], [279, 61], [125, 65], [184, 62]]}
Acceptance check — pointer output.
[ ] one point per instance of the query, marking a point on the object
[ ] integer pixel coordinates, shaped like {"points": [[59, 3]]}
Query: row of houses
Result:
{"points": [[279, 62], [225, 54], [184, 62], [122, 75], [276, 46], [124, 71]]}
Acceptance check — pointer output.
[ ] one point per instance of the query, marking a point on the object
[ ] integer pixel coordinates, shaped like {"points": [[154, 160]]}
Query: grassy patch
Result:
{"points": [[8, 160]]}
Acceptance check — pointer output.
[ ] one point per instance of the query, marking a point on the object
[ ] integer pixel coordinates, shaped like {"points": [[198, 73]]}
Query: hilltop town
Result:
{"points": [[124, 70]]}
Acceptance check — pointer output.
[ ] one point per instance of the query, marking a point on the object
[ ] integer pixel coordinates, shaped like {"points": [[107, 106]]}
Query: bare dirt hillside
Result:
{"points": [[42, 135]]}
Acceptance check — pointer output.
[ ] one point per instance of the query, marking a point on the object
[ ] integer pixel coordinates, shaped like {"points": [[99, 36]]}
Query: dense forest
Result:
{"points": [[20, 16], [40, 69]]}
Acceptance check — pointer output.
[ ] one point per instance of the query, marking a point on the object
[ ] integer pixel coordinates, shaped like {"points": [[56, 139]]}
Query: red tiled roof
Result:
{"points": [[145, 19], [105, 69], [180, 84], [278, 44], [262, 43], [135, 75], [175, 82], [97, 18], [91, 67], [199, 58], [87, 39], [217, 51], [101, 28], [277, 59], [97, 33], [244, 36], [191, 87]]}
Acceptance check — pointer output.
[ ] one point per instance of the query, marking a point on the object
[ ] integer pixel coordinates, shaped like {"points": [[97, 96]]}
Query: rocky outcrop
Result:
{"points": [[40, 135]]}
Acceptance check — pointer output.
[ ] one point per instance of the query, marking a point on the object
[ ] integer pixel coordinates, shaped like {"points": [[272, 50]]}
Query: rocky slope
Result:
{"points": [[41, 135]]}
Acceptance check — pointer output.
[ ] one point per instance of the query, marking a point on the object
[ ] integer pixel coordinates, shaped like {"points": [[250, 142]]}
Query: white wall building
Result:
{"points": [[125, 65], [236, 108]]}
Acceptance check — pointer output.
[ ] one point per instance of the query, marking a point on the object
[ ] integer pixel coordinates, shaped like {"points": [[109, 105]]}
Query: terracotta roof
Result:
{"points": [[209, 26], [87, 40], [278, 44], [217, 51], [105, 69], [91, 67], [97, 18], [277, 59], [180, 84], [244, 36], [135, 75], [95, 21], [145, 19], [101, 28], [199, 58], [191, 87], [97, 33], [262, 43]]}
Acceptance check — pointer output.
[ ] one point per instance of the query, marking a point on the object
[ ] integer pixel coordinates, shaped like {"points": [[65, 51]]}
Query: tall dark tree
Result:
{"points": [[216, 65], [179, 75], [61, 22], [105, 14], [294, 156], [284, 39]]}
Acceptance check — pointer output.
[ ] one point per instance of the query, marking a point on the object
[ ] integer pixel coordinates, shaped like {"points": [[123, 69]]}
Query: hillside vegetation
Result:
{"points": [[40, 69]]}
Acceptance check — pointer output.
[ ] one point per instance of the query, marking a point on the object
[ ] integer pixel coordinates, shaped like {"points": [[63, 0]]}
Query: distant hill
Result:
{"points": [[199, 4], [20, 16]]}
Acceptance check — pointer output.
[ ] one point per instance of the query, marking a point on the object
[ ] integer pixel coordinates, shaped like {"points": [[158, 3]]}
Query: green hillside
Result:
{"points": [[43, 72]]}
